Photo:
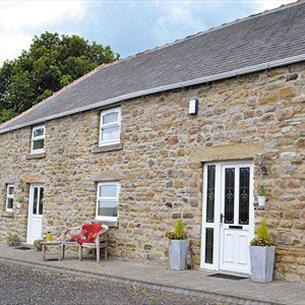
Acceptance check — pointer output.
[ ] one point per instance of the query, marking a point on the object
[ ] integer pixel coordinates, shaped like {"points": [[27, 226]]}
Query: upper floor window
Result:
{"points": [[9, 203], [110, 127], [107, 201], [38, 135]]}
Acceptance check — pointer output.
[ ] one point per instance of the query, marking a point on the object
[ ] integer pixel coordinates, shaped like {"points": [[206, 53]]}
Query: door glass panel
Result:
{"points": [[210, 194], [229, 195], [244, 193], [41, 201], [209, 244], [35, 199]]}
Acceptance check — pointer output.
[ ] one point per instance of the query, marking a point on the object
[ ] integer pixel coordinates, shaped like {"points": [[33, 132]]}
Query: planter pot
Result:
{"points": [[262, 263], [177, 252], [261, 201]]}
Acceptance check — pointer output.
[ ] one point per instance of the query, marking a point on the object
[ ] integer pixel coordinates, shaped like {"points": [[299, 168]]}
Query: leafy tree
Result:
{"points": [[52, 62]]}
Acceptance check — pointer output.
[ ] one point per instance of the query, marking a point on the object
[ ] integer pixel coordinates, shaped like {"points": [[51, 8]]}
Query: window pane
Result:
{"points": [[209, 244], [38, 144], [110, 133], [110, 118], [11, 190], [210, 194], [244, 182], [38, 132], [41, 202], [35, 198], [229, 195], [109, 190], [108, 208], [10, 202]]}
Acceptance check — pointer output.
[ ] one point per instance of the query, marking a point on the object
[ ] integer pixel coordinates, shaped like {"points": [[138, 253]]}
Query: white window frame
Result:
{"points": [[107, 218], [36, 138], [9, 196], [102, 125]]}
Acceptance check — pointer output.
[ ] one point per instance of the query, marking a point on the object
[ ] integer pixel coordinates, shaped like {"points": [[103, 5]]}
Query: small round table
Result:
{"points": [[49, 245]]}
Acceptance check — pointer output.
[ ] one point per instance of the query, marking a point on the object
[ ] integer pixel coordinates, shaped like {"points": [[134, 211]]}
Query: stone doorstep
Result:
{"points": [[207, 294]]}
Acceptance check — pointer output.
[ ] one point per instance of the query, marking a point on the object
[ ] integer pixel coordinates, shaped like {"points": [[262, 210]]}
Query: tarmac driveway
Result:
{"points": [[25, 285]]}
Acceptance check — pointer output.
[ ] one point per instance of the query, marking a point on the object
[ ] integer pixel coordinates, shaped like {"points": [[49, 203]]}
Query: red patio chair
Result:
{"points": [[93, 236]]}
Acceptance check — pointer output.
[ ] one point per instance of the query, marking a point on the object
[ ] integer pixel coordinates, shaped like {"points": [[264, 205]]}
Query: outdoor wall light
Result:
{"points": [[193, 106], [264, 170]]}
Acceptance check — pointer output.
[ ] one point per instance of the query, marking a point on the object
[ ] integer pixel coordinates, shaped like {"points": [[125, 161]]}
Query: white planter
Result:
{"points": [[262, 263], [261, 201], [177, 252]]}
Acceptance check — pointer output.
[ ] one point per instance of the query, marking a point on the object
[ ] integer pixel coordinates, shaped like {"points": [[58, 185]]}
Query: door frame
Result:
{"points": [[218, 206], [30, 207]]}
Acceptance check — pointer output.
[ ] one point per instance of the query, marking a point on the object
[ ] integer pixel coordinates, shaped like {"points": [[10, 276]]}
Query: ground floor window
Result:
{"points": [[9, 197], [107, 201]]}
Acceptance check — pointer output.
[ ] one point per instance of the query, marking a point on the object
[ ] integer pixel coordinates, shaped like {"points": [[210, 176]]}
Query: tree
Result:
{"points": [[52, 62]]}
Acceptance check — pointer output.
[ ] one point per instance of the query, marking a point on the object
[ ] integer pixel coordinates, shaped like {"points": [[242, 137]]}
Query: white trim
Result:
{"points": [[218, 209], [9, 196], [115, 124], [30, 207], [192, 82], [107, 218], [37, 138]]}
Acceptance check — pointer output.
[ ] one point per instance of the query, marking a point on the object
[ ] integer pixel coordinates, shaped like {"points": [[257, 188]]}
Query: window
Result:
{"points": [[38, 134], [9, 197], [110, 126], [107, 201]]}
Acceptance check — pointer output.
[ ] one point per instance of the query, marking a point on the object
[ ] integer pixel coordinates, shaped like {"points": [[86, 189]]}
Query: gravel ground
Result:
{"points": [[25, 285]]}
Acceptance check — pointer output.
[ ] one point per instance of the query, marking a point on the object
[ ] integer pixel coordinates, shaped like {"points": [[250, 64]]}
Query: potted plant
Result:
{"points": [[13, 240], [261, 195], [178, 247], [262, 254]]}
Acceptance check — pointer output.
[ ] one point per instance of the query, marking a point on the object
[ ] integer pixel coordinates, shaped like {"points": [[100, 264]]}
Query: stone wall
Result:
{"points": [[160, 164]]}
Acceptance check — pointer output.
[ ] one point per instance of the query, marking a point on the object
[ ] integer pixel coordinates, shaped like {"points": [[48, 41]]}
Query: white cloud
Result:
{"points": [[20, 20], [270, 4]]}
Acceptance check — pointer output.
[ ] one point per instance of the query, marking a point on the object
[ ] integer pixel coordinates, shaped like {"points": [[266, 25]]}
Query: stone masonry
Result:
{"points": [[160, 164]]}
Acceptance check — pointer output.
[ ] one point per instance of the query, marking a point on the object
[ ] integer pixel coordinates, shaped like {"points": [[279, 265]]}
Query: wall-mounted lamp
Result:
{"points": [[193, 106], [264, 170]]}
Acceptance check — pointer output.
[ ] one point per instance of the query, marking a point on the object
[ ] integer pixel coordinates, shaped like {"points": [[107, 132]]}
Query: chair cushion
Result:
{"points": [[90, 232]]}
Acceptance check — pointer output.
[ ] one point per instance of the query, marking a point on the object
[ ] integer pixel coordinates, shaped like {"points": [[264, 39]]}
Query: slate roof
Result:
{"points": [[251, 42]]}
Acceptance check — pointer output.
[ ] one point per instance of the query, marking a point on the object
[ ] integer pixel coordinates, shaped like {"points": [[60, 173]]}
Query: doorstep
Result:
{"points": [[144, 273]]}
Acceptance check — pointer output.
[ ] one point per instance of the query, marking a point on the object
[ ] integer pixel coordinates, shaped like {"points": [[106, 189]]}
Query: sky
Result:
{"points": [[128, 26]]}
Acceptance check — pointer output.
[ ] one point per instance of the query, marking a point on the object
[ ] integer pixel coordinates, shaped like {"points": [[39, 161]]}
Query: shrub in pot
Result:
{"points": [[37, 244], [261, 195], [262, 254], [13, 240], [178, 247]]}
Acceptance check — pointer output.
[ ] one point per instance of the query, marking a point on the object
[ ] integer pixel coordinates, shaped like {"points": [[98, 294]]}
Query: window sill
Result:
{"points": [[107, 148], [110, 224], [8, 214], [36, 156]]}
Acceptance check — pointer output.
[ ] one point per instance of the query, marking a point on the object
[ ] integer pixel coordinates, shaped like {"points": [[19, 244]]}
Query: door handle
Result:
{"points": [[221, 218]]}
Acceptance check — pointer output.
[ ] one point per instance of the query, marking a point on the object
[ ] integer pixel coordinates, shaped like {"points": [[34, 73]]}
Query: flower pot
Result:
{"points": [[177, 252], [261, 201], [262, 263]]}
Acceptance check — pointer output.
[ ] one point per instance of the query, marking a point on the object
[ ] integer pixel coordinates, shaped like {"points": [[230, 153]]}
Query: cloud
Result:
{"points": [[269, 4], [21, 20]]}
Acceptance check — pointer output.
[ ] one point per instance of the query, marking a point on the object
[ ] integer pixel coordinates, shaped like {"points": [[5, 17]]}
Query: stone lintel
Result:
{"points": [[110, 175], [227, 152], [33, 178], [10, 180]]}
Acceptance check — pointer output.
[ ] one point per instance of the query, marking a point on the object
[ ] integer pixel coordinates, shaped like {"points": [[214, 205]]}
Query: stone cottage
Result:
{"points": [[189, 129]]}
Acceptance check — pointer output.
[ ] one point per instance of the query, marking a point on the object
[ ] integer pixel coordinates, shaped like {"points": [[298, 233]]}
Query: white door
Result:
{"points": [[35, 213], [228, 216]]}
